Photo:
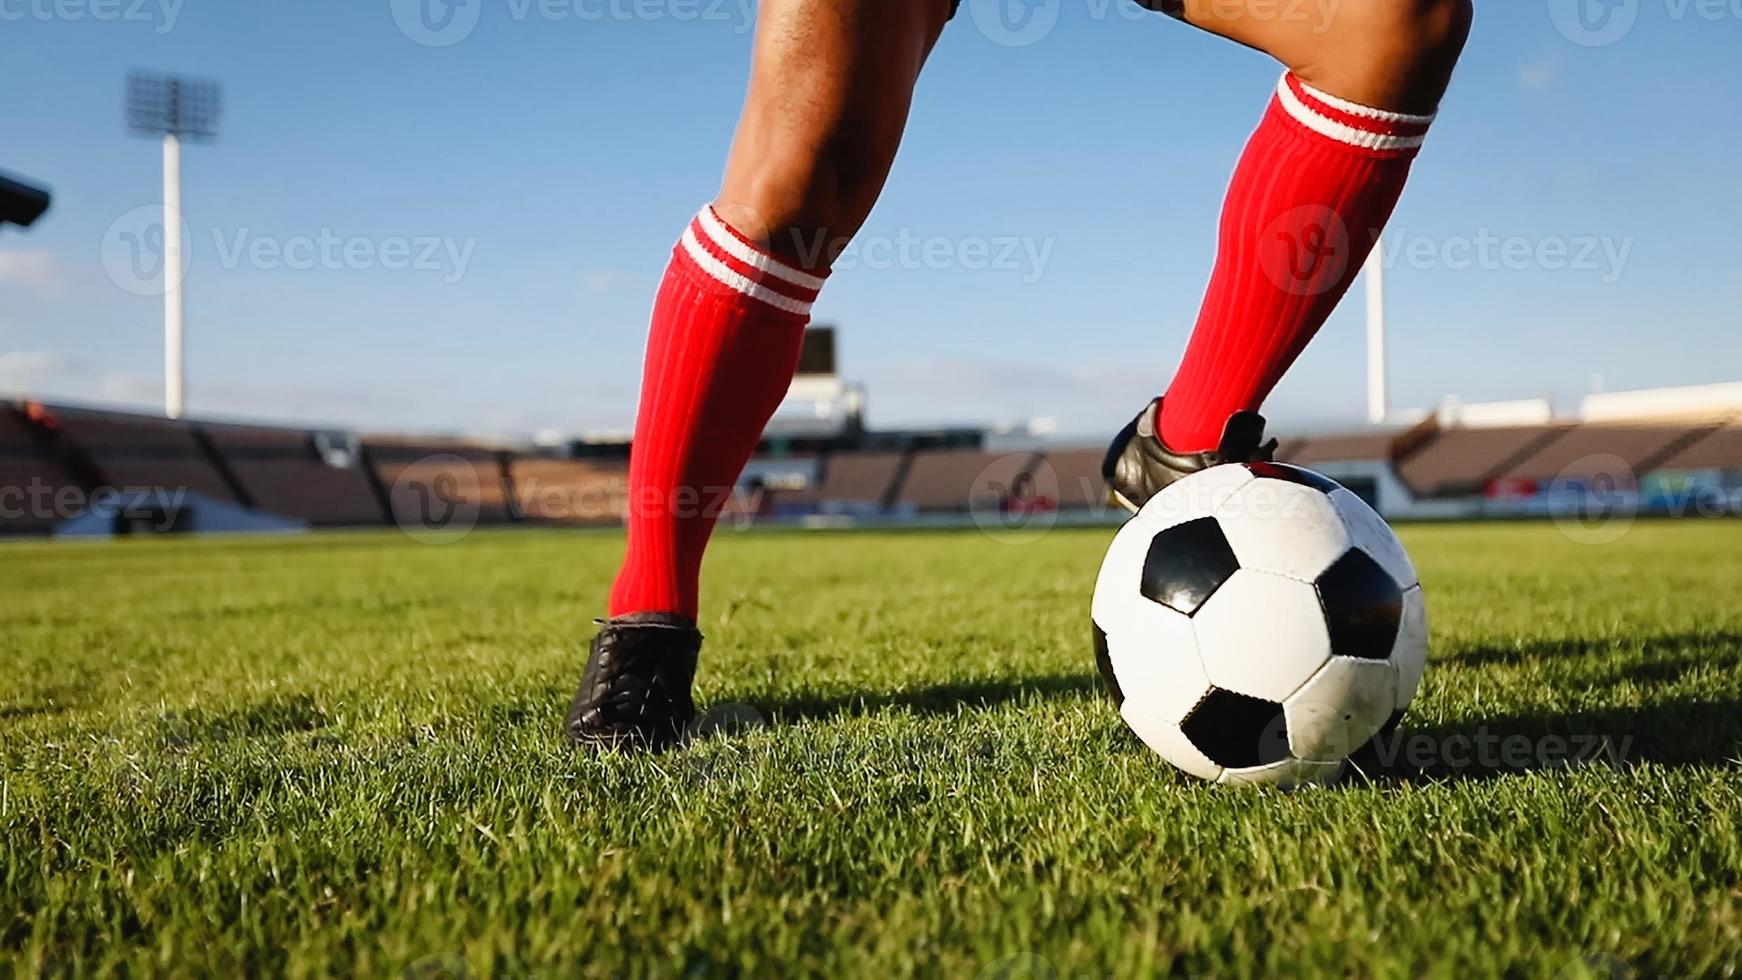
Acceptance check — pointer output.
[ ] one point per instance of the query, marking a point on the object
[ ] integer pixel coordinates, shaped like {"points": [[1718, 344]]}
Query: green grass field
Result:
{"points": [[340, 754]]}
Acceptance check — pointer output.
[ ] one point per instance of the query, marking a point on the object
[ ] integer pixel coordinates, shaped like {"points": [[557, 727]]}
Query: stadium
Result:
{"points": [[325, 478]]}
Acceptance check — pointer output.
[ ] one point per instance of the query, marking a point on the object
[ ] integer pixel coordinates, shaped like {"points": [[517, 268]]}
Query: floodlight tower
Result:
{"points": [[176, 109], [1378, 393]]}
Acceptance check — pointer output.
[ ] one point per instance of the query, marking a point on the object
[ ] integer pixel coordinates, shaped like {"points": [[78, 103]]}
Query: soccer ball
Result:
{"points": [[1258, 623]]}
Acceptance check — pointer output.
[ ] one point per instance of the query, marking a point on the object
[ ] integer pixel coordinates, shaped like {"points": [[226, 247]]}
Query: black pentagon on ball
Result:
{"points": [[1187, 563], [1236, 731], [1363, 607], [1104, 663], [1293, 474]]}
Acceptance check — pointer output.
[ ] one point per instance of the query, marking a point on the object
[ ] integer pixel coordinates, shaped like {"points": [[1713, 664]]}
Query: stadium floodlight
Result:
{"points": [[175, 109], [20, 203], [1378, 393]]}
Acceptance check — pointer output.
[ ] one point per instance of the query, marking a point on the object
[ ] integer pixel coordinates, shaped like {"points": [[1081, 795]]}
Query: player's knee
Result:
{"points": [[1439, 28], [1417, 41], [1418, 32], [808, 203]]}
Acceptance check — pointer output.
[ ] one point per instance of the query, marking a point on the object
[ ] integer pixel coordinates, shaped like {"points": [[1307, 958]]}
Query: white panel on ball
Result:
{"points": [[1287, 774], [1410, 653], [1121, 578], [1369, 532], [1198, 495], [1155, 656], [1169, 742], [1340, 709], [1285, 528], [1262, 635]]}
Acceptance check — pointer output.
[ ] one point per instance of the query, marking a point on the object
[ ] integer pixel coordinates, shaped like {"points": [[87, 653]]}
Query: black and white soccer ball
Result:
{"points": [[1258, 623]]}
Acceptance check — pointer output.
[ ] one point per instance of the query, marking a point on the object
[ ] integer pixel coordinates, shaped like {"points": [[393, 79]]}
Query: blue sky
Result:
{"points": [[466, 234]]}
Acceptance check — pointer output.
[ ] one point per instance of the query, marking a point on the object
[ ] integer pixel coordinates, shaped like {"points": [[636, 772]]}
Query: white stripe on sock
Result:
{"points": [[1341, 132], [1365, 112], [726, 276], [732, 245]]}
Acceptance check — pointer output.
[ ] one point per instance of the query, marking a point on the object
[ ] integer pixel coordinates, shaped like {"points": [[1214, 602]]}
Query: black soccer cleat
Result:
{"points": [[635, 693], [1138, 466]]}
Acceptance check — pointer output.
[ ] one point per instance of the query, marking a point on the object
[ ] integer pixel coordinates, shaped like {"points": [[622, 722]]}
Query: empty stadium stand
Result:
{"points": [[1075, 480], [1591, 450], [1320, 450], [956, 481], [426, 480], [137, 453], [1715, 449], [864, 480], [65, 457], [281, 472], [570, 491], [36, 491], [1462, 461]]}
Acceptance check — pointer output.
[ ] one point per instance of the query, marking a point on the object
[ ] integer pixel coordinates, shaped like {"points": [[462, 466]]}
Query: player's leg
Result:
{"points": [[830, 85], [1318, 181]]}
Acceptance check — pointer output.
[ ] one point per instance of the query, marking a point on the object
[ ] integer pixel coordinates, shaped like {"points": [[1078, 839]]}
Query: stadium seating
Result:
{"points": [[1590, 450], [860, 480], [426, 479], [139, 453], [67, 454], [570, 491], [1461, 461], [1713, 449], [36, 491], [281, 473], [958, 480], [1072, 477], [1320, 450]]}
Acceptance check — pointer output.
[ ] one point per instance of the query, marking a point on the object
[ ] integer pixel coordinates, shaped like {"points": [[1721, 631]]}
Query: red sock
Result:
{"points": [[1318, 182], [727, 328]]}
